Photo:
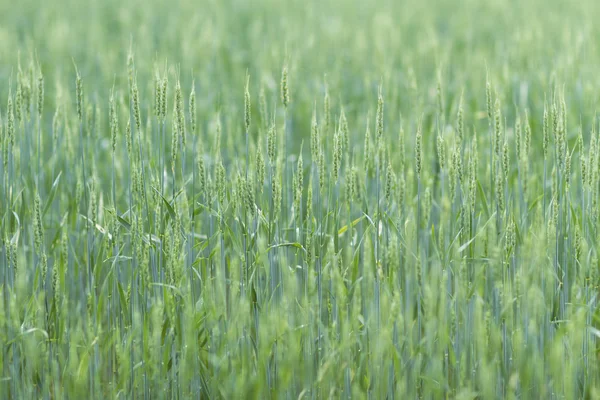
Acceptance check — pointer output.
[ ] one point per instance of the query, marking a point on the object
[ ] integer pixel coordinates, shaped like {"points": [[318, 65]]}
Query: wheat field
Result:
{"points": [[299, 200]]}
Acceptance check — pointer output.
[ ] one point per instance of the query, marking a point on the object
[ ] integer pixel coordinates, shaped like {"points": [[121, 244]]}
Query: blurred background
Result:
{"points": [[526, 46]]}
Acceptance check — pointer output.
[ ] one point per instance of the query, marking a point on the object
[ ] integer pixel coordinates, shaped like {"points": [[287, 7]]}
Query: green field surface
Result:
{"points": [[299, 199]]}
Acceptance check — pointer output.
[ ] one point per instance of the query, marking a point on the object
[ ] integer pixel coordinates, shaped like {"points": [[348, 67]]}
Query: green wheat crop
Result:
{"points": [[299, 200]]}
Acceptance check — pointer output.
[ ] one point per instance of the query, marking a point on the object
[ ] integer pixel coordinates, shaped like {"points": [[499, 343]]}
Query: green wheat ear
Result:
{"points": [[348, 190], [497, 128], [18, 98], [179, 115], [315, 141], [220, 182], [113, 117], [157, 93], [136, 104], [582, 160], [247, 105], [401, 147], [202, 180], [285, 90], [326, 111], [3, 143], [300, 172], [518, 137], [343, 124], [419, 150], [337, 154], [441, 151], [368, 153], [276, 193], [527, 139], [389, 181], [545, 131], [271, 144], [40, 97], [79, 95], [260, 170], [356, 193], [39, 227], [44, 268], [505, 160], [10, 122], [568, 157], [163, 97], [460, 123], [192, 109], [129, 140], [379, 118], [456, 175], [321, 169]]}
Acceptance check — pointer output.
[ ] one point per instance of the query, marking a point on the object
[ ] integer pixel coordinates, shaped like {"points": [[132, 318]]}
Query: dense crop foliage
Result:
{"points": [[266, 199]]}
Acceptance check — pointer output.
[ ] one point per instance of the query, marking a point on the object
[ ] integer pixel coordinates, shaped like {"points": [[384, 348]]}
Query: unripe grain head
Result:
{"points": [[545, 132], [390, 178], [113, 120], [179, 113], [220, 182], [260, 170], [460, 123], [10, 122], [271, 144], [40, 103], [79, 95], [488, 99], [163, 97], [379, 120], [527, 139], [337, 154], [129, 140], [344, 130], [368, 156], [441, 151], [247, 105], [498, 128], [518, 137], [18, 100], [39, 227], [285, 90], [314, 137], [326, 111], [505, 160], [192, 109], [157, 94], [418, 151]]}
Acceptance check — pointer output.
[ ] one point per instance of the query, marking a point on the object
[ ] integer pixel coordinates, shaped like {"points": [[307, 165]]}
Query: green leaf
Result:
{"points": [[98, 227], [534, 203], [344, 228], [484, 202], [123, 300], [202, 207], [200, 246], [163, 333], [291, 244], [123, 222], [480, 231], [170, 209], [52, 193], [164, 285], [15, 239]]}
